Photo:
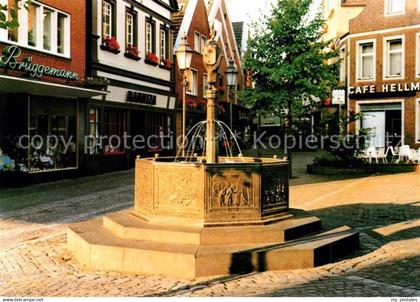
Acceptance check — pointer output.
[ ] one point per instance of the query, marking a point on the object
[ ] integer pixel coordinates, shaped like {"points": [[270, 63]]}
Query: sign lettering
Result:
{"points": [[142, 98], [385, 88], [10, 60]]}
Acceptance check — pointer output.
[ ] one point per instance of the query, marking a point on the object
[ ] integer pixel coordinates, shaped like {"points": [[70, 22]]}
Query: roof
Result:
{"points": [[178, 16], [238, 29]]}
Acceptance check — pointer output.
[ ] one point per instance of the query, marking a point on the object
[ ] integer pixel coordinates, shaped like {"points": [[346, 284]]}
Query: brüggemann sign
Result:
{"points": [[10, 60], [385, 88]]}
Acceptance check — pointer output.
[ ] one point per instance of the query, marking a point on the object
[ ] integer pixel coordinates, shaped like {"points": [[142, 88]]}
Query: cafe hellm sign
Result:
{"points": [[385, 88], [9, 60]]}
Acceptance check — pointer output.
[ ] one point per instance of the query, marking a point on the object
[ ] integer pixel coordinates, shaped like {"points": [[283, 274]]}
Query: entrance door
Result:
{"points": [[375, 120]]}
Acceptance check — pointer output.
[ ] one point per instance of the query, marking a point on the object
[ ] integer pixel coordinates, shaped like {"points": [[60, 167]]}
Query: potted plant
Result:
{"points": [[151, 59], [132, 52], [111, 45], [165, 64]]}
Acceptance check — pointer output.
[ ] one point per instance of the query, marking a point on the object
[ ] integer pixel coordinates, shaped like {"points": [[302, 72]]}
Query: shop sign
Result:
{"points": [[9, 60], [339, 97], [385, 88], [141, 98]]}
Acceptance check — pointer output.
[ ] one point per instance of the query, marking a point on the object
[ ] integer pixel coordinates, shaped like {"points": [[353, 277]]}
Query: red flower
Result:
{"points": [[133, 50], [111, 43], [166, 63], [151, 57]]}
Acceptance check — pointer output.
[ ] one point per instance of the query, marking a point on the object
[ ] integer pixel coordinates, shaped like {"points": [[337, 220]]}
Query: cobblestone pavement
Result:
{"points": [[384, 208]]}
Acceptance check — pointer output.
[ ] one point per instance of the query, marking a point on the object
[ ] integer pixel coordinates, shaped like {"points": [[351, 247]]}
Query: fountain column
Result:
{"points": [[211, 142], [212, 58]]}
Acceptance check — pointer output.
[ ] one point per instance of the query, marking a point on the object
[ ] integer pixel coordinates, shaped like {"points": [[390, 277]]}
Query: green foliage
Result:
{"points": [[289, 59], [9, 17]]}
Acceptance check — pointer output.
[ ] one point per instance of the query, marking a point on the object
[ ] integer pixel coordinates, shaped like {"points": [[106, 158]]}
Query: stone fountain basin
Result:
{"points": [[236, 191]]}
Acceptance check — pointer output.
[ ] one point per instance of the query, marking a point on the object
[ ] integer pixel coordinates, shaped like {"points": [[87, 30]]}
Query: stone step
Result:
{"points": [[98, 248], [128, 226]]}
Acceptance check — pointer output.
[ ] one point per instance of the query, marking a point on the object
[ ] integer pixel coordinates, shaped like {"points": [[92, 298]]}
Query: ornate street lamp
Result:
{"points": [[231, 75], [184, 57]]}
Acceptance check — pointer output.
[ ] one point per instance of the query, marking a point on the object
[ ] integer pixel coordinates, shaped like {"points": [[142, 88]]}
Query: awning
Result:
{"points": [[10, 84]]}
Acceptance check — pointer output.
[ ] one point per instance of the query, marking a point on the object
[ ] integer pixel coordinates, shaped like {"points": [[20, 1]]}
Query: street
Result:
{"points": [[385, 209]]}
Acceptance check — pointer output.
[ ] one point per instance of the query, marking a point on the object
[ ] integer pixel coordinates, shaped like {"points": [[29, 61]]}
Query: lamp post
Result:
{"points": [[183, 58], [231, 75]]}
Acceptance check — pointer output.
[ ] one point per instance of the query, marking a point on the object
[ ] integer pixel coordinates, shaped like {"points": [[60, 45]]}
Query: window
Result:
{"points": [[47, 28], [193, 87], [394, 58], [149, 37], [107, 20], [366, 61], [197, 42], [32, 22], [343, 63], [61, 31], [205, 85], [203, 43], [93, 131], [394, 7], [418, 121], [12, 8], [163, 44], [130, 29], [114, 128]]}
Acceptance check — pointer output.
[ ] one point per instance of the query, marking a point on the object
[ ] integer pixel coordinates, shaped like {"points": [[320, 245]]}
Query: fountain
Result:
{"points": [[205, 215]]}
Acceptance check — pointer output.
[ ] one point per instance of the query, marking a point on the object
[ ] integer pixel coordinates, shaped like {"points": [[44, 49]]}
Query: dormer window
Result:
{"points": [[394, 7]]}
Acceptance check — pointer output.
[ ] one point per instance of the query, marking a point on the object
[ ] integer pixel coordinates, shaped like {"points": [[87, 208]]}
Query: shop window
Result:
{"points": [[150, 44], [108, 20], [114, 129], [418, 121], [93, 131], [32, 23], [197, 42], [158, 127], [53, 135], [394, 7], [366, 61], [394, 58], [12, 8], [193, 87]]}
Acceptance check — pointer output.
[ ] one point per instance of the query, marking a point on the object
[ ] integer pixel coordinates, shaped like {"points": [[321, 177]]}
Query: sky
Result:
{"points": [[244, 10]]}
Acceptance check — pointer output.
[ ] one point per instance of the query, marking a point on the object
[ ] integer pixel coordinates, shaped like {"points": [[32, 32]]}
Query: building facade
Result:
{"points": [[42, 88], [130, 45], [380, 68]]}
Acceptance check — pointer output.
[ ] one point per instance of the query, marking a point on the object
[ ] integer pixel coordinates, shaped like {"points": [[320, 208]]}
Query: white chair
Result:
{"points": [[381, 155], [405, 153], [394, 155], [371, 154]]}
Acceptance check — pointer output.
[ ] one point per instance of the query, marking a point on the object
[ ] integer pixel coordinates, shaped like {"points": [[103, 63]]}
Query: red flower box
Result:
{"points": [[111, 45], [151, 59], [132, 52], [165, 64]]}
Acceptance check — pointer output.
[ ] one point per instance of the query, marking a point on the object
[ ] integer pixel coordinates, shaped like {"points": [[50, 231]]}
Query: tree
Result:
{"points": [[9, 16], [288, 60]]}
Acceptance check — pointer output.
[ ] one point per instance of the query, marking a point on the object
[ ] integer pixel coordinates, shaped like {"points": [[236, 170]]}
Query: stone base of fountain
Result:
{"points": [[196, 219]]}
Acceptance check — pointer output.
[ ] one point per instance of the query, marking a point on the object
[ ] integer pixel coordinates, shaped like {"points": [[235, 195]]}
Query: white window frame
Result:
{"points": [[149, 40], [129, 35], [359, 43], [390, 14], [110, 19], [194, 86], [417, 127], [23, 31], [163, 43], [197, 44], [402, 101], [386, 62]]}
